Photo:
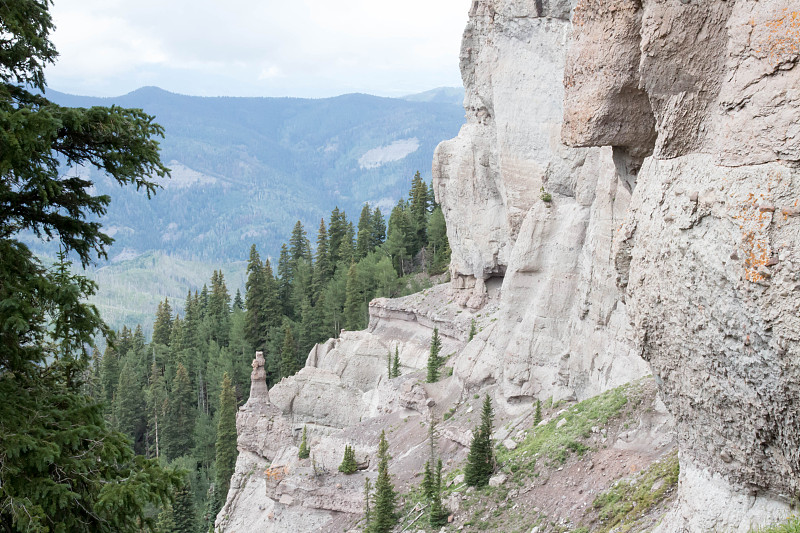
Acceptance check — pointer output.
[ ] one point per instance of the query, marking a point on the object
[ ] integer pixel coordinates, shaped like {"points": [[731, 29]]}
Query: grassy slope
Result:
{"points": [[543, 450]]}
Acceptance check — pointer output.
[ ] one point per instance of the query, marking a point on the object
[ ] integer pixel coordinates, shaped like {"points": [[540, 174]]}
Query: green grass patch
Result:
{"points": [[623, 504], [792, 525], [555, 444]]}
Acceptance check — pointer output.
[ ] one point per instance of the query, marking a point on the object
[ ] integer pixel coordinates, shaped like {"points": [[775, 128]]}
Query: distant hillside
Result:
{"points": [[441, 95], [245, 169]]}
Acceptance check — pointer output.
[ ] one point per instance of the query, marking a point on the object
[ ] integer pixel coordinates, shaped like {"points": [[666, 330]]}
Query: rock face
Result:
{"points": [[562, 329], [343, 385], [709, 251], [623, 199]]}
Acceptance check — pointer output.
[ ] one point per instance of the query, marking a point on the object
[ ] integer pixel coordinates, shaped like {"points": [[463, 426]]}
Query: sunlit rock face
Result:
{"points": [[709, 253], [563, 329]]}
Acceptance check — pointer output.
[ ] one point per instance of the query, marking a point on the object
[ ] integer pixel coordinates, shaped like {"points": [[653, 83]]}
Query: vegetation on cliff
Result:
{"points": [[480, 460]]}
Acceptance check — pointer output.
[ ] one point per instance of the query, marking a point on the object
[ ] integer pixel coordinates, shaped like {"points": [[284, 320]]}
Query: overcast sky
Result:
{"points": [[308, 48]]}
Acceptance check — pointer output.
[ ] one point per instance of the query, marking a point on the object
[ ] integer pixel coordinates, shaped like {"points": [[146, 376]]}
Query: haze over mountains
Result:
{"points": [[244, 170]]}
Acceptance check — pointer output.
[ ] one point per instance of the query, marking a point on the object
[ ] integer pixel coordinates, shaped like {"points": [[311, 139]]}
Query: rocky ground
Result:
{"points": [[570, 471]]}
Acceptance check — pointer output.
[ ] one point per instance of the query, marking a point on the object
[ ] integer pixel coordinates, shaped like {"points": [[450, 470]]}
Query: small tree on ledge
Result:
{"points": [[434, 361], [395, 372], [304, 451], [349, 464], [480, 460], [383, 515]]}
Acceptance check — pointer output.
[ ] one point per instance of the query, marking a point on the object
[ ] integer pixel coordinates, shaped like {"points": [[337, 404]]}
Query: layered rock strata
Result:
{"points": [[532, 216], [708, 254]]}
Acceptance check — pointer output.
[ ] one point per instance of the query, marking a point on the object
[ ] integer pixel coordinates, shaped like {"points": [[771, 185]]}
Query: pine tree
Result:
{"points": [[434, 361], [347, 250], [177, 335], [183, 513], [166, 520], [59, 456], [419, 213], [353, 320], [204, 436], [304, 450], [437, 242], [312, 327], [156, 398], [427, 482], [286, 277], [337, 230], [473, 330], [378, 228], [272, 311], [226, 441], [191, 329], [383, 516], [395, 372], [349, 464], [323, 269], [109, 375], [299, 245], [219, 310], [480, 459], [211, 510], [238, 303], [537, 416], [203, 302], [129, 404], [437, 514], [365, 236], [255, 301], [162, 327], [289, 366], [180, 417], [367, 497], [397, 244]]}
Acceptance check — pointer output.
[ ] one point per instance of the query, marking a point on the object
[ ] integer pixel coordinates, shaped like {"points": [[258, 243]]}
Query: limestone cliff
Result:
{"points": [[709, 250], [622, 200], [562, 328]]}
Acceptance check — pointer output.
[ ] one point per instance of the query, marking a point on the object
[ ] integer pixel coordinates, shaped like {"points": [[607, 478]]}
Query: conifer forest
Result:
{"points": [[175, 397]]}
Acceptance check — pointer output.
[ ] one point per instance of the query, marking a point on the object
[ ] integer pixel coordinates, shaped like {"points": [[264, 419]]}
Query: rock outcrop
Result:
{"points": [[532, 216], [709, 250], [343, 387]]}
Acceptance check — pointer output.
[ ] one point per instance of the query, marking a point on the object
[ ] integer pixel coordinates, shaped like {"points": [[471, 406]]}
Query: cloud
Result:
{"points": [[249, 47]]}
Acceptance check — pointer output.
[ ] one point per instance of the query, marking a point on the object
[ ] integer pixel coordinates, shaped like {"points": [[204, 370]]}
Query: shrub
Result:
{"points": [[349, 464], [305, 450]]}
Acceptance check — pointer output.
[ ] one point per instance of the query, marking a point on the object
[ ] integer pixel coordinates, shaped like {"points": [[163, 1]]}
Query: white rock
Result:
{"points": [[561, 423], [498, 479], [510, 444]]}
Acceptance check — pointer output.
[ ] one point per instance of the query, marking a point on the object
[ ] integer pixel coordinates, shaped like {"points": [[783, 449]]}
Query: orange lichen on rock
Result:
{"points": [[754, 225], [782, 41], [276, 474]]}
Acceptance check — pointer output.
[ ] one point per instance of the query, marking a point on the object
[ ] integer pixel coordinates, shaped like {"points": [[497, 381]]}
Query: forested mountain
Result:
{"points": [[245, 169]]}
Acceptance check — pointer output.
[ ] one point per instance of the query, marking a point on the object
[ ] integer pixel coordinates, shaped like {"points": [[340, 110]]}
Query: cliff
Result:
{"points": [[708, 252], [622, 200]]}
